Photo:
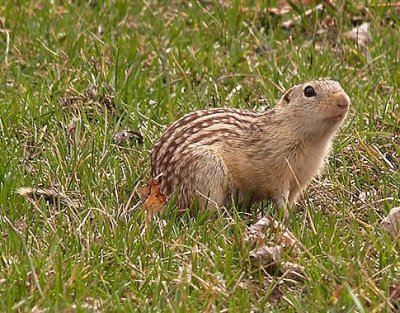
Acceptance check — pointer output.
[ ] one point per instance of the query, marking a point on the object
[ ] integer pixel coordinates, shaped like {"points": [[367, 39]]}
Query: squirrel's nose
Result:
{"points": [[342, 100]]}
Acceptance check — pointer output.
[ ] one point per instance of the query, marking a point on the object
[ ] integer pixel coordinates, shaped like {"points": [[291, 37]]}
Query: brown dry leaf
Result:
{"points": [[293, 271], [328, 22], [359, 34], [107, 98], [391, 223], [92, 92], [127, 135], [268, 255], [60, 10], [270, 259], [152, 198], [256, 233], [71, 130]]}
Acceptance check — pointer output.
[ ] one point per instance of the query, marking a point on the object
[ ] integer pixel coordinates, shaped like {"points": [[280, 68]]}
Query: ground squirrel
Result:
{"points": [[217, 154]]}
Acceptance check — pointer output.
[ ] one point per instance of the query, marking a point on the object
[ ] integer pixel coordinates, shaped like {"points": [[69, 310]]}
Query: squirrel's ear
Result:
{"points": [[285, 99]]}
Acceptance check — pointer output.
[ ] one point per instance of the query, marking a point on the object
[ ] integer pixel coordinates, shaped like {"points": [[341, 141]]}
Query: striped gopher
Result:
{"points": [[217, 154]]}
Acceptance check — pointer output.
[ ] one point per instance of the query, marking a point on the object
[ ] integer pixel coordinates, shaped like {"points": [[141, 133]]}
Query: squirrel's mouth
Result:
{"points": [[339, 113], [337, 117]]}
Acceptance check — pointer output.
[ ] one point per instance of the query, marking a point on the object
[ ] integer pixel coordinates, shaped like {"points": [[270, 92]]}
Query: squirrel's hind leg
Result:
{"points": [[206, 180]]}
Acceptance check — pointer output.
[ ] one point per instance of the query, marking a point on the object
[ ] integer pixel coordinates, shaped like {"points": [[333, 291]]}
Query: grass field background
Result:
{"points": [[73, 74]]}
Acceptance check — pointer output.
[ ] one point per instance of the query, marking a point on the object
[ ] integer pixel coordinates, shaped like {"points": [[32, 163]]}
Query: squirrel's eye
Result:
{"points": [[309, 92]]}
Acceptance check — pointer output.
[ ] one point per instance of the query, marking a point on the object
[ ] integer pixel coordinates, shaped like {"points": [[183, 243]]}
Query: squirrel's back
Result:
{"points": [[204, 128]]}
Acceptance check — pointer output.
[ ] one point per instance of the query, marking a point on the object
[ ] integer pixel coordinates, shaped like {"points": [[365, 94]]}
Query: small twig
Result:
{"points": [[208, 199], [48, 49], [290, 23], [129, 202], [51, 195], [27, 254]]}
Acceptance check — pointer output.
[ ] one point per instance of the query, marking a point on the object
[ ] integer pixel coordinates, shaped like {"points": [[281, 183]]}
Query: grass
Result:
{"points": [[112, 65]]}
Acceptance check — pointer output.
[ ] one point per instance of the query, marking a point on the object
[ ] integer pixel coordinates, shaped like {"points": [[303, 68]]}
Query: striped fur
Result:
{"points": [[213, 154], [175, 152]]}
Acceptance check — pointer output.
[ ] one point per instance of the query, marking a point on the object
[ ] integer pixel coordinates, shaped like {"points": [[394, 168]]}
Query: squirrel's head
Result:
{"points": [[319, 105]]}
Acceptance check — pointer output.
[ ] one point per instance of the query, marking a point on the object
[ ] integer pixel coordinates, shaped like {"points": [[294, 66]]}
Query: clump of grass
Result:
{"points": [[141, 66]]}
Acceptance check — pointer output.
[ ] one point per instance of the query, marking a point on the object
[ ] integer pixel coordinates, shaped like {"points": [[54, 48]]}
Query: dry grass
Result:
{"points": [[76, 74]]}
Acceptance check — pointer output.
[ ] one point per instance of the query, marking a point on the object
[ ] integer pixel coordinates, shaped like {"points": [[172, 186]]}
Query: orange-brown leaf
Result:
{"points": [[359, 34], [152, 198]]}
